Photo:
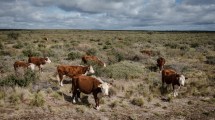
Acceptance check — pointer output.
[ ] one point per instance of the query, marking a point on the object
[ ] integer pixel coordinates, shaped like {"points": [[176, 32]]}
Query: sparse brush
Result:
{"points": [[37, 99], [114, 104], [73, 55], [137, 101], [56, 95], [125, 70]]}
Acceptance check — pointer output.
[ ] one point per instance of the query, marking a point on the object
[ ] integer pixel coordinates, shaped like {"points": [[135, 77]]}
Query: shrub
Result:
{"points": [[73, 55], [30, 52], [91, 51], [13, 35], [1, 45], [18, 45], [37, 100], [22, 81], [137, 101], [14, 98], [210, 60], [124, 69]]}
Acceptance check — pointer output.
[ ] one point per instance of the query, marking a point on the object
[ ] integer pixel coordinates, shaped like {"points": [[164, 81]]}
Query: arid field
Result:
{"points": [[136, 91]]}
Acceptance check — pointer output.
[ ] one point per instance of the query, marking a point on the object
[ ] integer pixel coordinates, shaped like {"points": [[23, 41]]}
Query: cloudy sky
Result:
{"points": [[108, 14]]}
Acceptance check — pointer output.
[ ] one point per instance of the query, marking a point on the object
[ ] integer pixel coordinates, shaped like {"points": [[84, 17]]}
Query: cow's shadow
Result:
{"points": [[68, 98]]}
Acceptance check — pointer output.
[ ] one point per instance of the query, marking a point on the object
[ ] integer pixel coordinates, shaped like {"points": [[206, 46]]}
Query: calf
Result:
{"points": [[87, 85], [39, 61], [72, 71], [170, 76], [160, 63], [95, 59], [23, 64]]}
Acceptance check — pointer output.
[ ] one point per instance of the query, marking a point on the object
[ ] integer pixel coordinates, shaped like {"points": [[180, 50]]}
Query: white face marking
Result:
{"points": [[105, 88], [91, 70], [31, 66], [182, 80], [48, 60]]}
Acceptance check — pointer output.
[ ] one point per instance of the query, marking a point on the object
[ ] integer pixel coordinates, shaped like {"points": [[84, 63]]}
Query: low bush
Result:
{"points": [[137, 101], [13, 35], [30, 52], [22, 81], [124, 70], [37, 100], [91, 51], [73, 55]]}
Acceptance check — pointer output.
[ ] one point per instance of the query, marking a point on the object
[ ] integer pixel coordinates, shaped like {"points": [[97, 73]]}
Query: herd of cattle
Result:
{"points": [[82, 82]]}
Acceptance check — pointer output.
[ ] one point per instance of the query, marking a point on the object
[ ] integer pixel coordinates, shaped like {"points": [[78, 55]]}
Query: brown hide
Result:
{"points": [[160, 63], [87, 58], [87, 85], [22, 64], [170, 76]]}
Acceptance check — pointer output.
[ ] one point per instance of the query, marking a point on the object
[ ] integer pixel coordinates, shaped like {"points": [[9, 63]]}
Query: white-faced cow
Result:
{"points": [[170, 76], [23, 64], [87, 58], [39, 61], [87, 85], [71, 71], [160, 63]]}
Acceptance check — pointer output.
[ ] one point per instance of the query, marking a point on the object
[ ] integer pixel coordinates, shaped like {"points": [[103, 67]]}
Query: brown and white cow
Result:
{"points": [[23, 64], [160, 63], [87, 58], [170, 76], [39, 61], [71, 71], [87, 85]]}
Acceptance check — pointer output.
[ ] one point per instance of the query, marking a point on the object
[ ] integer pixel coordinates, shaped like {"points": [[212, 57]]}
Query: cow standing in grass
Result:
{"points": [[39, 61], [71, 71], [88, 58], [160, 63], [170, 76], [87, 85], [23, 64]]}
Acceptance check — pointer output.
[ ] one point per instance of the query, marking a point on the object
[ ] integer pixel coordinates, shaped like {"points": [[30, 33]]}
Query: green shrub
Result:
{"points": [[30, 52], [73, 55], [19, 45], [125, 70], [91, 51], [13, 35], [14, 98], [37, 100], [22, 81], [137, 101]]}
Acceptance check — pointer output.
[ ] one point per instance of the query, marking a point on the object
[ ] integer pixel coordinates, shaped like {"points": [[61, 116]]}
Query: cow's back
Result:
{"points": [[71, 71], [168, 75]]}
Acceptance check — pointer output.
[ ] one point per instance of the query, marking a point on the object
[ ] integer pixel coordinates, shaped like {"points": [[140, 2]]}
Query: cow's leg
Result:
{"points": [[174, 91], [74, 94], [78, 95], [61, 79], [97, 107], [41, 68]]}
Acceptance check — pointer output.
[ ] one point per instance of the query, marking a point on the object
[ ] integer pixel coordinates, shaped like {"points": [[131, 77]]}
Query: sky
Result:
{"points": [[108, 14]]}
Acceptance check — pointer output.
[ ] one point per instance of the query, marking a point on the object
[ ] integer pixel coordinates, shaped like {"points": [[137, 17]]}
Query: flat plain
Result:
{"points": [[136, 90]]}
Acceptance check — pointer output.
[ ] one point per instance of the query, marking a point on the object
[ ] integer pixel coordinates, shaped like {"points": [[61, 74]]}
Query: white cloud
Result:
{"points": [[108, 14]]}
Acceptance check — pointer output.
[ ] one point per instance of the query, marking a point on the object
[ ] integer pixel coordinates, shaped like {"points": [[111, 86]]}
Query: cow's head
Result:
{"points": [[105, 88], [47, 60], [90, 70], [181, 79]]}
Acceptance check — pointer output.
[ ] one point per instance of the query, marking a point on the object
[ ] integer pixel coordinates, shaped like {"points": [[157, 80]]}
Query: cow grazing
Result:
{"points": [[23, 64], [95, 59], [160, 63], [71, 71], [39, 61], [87, 85], [170, 76]]}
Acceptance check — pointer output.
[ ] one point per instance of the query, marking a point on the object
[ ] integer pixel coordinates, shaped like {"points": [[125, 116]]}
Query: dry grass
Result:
{"points": [[136, 82]]}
